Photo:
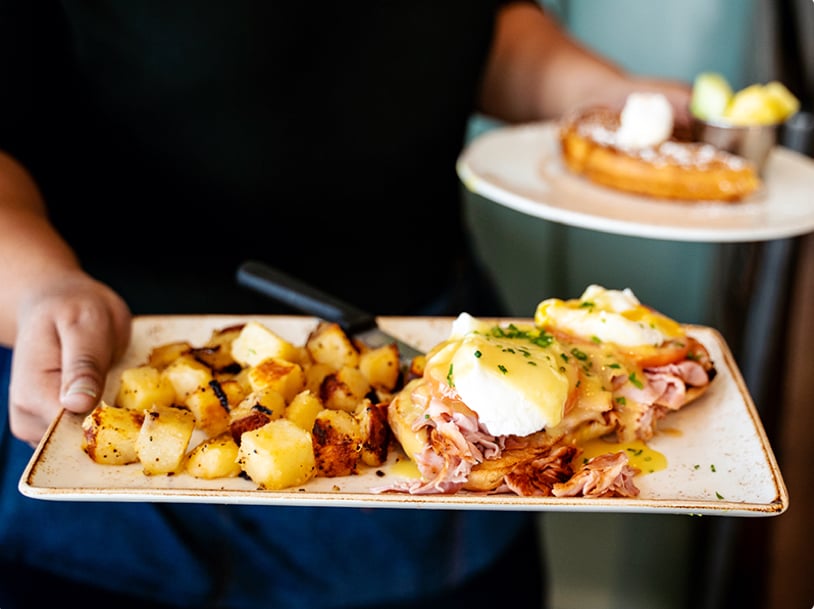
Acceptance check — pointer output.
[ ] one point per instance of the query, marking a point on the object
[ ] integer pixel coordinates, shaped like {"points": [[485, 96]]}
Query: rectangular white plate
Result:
{"points": [[719, 460]]}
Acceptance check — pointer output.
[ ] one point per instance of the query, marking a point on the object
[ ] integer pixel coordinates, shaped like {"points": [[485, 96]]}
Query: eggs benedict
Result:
{"points": [[504, 407]]}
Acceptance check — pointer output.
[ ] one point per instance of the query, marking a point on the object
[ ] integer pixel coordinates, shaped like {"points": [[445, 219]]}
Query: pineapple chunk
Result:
{"points": [[286, 377], [215, 457], [143, 386], [278, 455], [163, 439], [109, 434], [256, 343]]}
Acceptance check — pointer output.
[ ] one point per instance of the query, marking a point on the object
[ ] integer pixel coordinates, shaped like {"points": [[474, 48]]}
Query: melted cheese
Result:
{"points": [[517, 380]]}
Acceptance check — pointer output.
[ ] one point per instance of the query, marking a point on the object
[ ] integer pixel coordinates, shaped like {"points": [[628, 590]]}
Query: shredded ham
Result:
{"points": [[537, 476], [607, 475]]}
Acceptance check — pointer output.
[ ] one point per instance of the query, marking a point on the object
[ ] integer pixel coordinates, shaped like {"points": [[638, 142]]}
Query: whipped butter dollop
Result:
{"points": [[646, 121]]}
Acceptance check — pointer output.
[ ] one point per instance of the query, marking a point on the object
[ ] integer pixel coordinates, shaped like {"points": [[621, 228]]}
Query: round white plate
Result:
{"points": [[520, 167]]}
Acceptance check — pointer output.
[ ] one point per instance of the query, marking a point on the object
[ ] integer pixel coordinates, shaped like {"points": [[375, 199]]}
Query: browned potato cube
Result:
{"points": [[329, 344], [278, 455], [256, 343], [267, 399], [374, 431], [187, 375], [255, 410], [337, 443], [247, 420], [217, 352], [143, 386], [286, 377], [109, 434], [381, 367], [416, 369], [209, 407], [163, 355], [315, 374], [303, 409], [164, 438], [233, 390], [343, 390], [215, 457]]}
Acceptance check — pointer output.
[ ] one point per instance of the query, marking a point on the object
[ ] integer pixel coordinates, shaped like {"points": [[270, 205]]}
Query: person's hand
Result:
{"points": [[69, 333]]}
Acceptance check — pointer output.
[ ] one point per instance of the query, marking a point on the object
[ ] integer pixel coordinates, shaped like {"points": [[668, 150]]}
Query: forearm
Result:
{"points": [[31, 252], [536, 71]]}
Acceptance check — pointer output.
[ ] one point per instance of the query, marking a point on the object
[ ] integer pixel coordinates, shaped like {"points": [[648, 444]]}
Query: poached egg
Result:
{"points": [[512, 376]]}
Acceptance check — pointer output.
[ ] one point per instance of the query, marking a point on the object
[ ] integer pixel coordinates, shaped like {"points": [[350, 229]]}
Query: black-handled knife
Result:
{"points": [[283, 288]]}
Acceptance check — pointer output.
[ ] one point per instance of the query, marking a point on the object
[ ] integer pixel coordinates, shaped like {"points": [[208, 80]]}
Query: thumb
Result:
{"points": [[82, 383]]}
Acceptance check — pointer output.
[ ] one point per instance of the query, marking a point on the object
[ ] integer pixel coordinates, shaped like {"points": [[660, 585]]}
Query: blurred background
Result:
{"points": [[760, 295]]}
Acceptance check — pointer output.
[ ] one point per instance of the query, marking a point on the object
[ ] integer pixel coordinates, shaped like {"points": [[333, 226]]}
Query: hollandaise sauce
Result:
{"points": [[405, 468], [639, 454]]}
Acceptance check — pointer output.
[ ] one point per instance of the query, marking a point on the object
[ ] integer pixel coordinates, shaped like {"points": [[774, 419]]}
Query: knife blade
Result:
{"points": [[298, 295]]}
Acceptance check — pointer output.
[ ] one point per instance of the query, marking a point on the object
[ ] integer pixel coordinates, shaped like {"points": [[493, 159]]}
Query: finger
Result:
{"points": [[87, 353], [34, 385]]}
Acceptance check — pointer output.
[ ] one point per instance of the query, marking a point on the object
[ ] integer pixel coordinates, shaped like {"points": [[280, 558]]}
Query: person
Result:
{"points": [[150, 148]]}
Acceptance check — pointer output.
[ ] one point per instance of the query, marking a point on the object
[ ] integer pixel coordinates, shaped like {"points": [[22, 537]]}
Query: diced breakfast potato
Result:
{"points": [[109, 434], [381, 366], [329, 344], [374, 431], [337, 443], [278, 455], [277, 413], [209, 407], [217, 352], [286, 377], [164, 438], [186, 375], [416, 368], [143, 386], [234, 391], [163, 355], [215, 457], [269, 399], [315, 374], [303, 409], [243, 420], [256, 343], [344, 389]]}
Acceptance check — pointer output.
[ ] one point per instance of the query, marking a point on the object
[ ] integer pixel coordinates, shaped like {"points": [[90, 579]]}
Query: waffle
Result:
{"points": [[675, 169]]}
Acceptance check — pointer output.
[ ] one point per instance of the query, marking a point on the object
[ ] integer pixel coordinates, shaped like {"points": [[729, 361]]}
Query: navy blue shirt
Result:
{"points": [[320, 137]]}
